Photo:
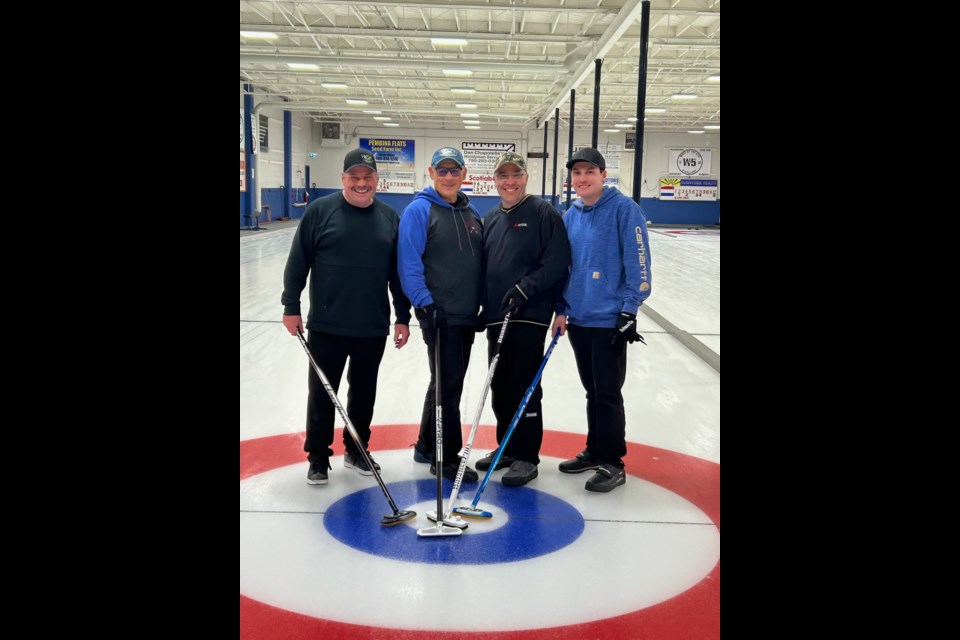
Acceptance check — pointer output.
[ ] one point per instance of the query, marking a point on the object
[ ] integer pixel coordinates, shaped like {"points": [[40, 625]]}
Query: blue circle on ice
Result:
{"points": [[538, 524]]}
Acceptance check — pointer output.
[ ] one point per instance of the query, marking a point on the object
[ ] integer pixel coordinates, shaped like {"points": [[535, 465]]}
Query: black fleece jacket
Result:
{"points": [[526, 246], [352, 254]]}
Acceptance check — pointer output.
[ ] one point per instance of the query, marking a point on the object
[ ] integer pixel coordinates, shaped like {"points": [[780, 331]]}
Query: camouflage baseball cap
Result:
{"points": [[510, 158]]}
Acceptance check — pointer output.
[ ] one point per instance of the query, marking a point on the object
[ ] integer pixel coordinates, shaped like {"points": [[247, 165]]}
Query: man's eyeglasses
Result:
{"points": [[453, 171]]}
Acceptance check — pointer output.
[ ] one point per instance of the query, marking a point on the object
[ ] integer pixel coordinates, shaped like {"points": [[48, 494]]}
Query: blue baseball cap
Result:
{"points": [[447, 153]]}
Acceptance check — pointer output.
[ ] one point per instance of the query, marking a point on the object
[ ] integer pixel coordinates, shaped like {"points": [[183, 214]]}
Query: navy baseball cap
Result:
{"points": [[447, 153], [359, 158], [587, 155]]}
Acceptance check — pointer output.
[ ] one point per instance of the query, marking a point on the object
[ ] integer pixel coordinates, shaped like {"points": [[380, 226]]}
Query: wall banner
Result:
{"points": [[689, 162], [396, 181], [688, 189], [391, 154], [481, 156]]}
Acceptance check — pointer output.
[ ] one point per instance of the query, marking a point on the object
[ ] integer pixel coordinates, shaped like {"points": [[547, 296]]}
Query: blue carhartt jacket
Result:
{"points": [[610, 270]]}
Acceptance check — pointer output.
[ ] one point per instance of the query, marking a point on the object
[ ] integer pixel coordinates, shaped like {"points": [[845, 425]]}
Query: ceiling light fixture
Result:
{"points": [[263, 35], [712, 126], [382, 118], [333, 85], [466, 105], [655, 110], [470, 127], [713, 78], [377, 112], [456, 42], [684, 96], [611, 130], [302, 66], [457, 72], [463, 90], [390, 124], [699, 131], [471, 122], [356, 101]]}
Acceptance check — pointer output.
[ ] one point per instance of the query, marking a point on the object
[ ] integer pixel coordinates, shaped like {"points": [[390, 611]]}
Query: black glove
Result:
{"points": [[626, 330], [512, 301], [433, 317]]}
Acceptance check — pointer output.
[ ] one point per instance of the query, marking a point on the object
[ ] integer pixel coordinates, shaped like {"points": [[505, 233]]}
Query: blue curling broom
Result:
{"points": [[472, 511]]}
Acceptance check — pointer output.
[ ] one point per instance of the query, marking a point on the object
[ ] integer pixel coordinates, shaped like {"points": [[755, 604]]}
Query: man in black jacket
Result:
{"points": [[526, 256], [349, 241]]}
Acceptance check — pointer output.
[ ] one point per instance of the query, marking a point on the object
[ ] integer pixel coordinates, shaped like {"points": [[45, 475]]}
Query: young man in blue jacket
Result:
{"points": [[440, 255], [525, 257], [610, 277], [347, 243]]}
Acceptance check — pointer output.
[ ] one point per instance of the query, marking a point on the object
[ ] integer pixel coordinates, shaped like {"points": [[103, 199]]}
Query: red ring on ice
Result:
{"points": [[695, 613]]}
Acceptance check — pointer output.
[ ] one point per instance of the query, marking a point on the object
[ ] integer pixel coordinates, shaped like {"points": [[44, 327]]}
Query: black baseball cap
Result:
{"points": [[587, 155], [359, 158]]}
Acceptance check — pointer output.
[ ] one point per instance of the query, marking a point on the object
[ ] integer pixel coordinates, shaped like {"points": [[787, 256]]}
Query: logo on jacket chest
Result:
{"points": [[520, 225], [473, 227]]}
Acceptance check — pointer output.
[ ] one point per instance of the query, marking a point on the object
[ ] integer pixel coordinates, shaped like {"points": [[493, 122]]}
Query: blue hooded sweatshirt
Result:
{"points": [[610, 271], [439, 255]]}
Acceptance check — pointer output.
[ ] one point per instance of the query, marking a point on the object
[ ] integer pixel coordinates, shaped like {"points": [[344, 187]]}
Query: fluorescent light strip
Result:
{"points": [[463, 90], [333, 85], [695, 131], [263, 35], [381, 118], [456, 42], [712, 126], [303, 66], [611, 130], [390, 124], [355, 101], [466, 105], [471, 122], [654, 110], [684, 96], [713, 79], [457, 72], [470, 127], [377, 112]]}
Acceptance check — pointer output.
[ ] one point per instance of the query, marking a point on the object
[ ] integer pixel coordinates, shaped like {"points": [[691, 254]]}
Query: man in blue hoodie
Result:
{"points": [[440, 252], [610, 277]]}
